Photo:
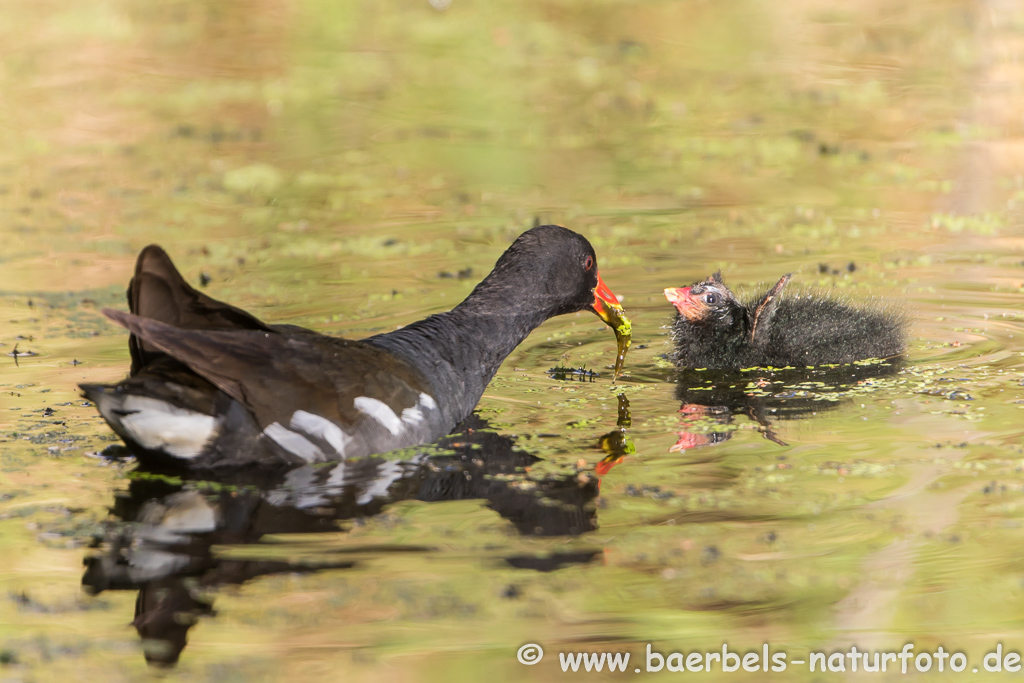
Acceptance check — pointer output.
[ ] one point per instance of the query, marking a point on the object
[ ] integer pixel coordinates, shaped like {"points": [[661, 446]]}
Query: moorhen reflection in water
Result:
{"points": [[164, 548], [712, 399]]}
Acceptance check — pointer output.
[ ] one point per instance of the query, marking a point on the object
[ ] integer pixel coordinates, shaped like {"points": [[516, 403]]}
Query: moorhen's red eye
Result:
{"points": [[588, 262], [710, 298]]}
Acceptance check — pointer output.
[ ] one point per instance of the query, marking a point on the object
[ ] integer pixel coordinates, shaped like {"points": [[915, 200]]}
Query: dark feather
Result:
{"points": [[273, 375], [764, 310], [158, 292]]}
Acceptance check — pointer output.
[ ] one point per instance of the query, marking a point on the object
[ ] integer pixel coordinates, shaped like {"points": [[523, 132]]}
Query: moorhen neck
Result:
{"points": [[212, 385], [714, 329]]}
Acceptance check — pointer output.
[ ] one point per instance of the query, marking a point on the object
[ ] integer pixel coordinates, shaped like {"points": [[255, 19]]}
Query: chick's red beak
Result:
{"points": [[685, 302], [676, 295]]}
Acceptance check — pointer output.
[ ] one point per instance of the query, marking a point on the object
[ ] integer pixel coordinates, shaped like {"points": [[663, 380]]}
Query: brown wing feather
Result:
{"points": [[766, 307], [274, 375], [159, 292]]}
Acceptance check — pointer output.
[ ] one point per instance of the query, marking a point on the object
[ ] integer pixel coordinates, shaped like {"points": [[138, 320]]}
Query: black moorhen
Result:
{"points": [[714, 329], [212, 385]]}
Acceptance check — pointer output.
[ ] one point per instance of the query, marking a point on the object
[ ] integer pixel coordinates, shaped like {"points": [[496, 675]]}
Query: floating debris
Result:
{"points": [[464, 274], [16, 354], [580, 374], [115, 451], [954, 395]]}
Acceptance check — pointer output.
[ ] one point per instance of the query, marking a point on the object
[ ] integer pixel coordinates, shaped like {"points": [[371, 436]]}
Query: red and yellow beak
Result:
{"points": [[604, 300], [608, 308]]}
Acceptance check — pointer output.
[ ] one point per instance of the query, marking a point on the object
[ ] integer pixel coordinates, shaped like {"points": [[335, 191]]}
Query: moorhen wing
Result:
{"points": [[212, 385], [714, 329]]}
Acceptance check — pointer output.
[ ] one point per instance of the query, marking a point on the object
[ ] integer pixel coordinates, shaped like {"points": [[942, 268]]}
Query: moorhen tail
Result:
{"points": [[714, 329], [212, 385]]}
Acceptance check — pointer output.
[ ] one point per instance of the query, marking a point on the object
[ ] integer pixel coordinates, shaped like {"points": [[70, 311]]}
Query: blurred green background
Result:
{"points": [[322, 163]]}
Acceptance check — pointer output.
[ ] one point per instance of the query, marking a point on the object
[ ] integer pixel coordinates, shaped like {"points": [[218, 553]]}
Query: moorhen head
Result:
{"points": [[713, 328], [212, 385]]}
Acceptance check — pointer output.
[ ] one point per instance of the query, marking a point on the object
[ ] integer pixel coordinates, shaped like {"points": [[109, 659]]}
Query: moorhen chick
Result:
{"points": [[212, 385], [714, 329]]}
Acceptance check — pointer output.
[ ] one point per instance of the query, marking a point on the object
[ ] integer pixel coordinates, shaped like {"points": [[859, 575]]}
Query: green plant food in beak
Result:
{"points": [[608, 308]]}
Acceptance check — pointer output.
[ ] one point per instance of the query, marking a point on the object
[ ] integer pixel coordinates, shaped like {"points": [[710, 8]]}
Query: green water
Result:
{"points": [[323, 163]]}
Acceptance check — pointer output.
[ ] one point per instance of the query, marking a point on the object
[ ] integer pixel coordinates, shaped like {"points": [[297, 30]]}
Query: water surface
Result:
{"points": [[355, 167]]}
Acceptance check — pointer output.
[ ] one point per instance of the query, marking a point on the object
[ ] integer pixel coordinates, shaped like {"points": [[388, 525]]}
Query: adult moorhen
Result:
{"points": [[212, 385], [714, 329]]}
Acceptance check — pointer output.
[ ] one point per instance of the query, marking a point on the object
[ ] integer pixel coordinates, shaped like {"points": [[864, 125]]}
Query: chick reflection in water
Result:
{"points": [[165, 548], [711, 400]]}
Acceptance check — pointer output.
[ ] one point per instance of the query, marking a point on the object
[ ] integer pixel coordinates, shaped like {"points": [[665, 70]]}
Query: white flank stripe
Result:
{"points": [[160, 426], [415, 415], [381, 412], [322, 428], [412, 416], [294, 443]]}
